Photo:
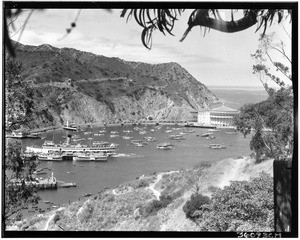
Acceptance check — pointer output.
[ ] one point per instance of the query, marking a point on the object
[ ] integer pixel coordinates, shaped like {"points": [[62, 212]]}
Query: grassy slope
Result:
{"points": [[130, 206]]}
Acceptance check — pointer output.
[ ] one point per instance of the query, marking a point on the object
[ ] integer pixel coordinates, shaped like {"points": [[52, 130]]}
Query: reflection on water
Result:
{"points": [[131, 162]]}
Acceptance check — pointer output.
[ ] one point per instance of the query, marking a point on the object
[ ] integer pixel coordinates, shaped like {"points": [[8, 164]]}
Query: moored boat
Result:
{"points": [[90, 157], [210, 137], [207, 134], [164, 146], [70, 126], [217, 146], [49, 157], [176, 137]]}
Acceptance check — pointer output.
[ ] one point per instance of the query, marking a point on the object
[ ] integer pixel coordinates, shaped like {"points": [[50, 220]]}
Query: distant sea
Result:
{"points": [[236, 96]]}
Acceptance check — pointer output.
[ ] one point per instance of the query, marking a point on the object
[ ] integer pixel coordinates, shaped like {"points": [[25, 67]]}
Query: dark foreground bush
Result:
{"points": [[154, 206], [195, 203]]}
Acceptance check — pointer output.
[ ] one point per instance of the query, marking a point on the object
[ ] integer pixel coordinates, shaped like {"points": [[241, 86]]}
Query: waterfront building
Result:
{"points": [[219, 116]]}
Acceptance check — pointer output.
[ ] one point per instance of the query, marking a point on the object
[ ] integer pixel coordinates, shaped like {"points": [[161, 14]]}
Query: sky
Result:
{"points": [[214, 59]]}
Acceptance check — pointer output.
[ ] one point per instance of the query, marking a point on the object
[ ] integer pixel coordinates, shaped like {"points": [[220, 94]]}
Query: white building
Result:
{"points": [[220, 116]]}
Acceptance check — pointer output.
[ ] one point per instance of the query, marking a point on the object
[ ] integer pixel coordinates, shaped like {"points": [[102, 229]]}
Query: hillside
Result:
{"points": [[89, 88], [150, 203]]}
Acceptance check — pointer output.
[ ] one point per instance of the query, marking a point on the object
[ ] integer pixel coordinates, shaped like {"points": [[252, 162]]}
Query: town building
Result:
{"points": [[219, 116]]}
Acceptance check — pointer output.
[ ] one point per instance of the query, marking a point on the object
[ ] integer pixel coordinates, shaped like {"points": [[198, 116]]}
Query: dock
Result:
{"points": [[47, 183]]}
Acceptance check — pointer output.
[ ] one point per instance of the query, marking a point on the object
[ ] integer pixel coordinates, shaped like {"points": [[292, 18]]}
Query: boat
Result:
{"points": [[210, 137], [68, 185], [140, 144], [49, 157], [87, 194], [136, 141], [90, 157], [165, 146], [126, 137], [18, 135], [39, 171], [207, 134], [70, 127], [127, 131], [176, 137], [69, 149], [150, 139], [213, 130], [114, 135], [217, 146]]}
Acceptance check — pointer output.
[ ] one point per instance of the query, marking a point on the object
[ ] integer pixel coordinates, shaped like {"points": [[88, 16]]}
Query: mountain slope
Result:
{"points": [[89, 88]]}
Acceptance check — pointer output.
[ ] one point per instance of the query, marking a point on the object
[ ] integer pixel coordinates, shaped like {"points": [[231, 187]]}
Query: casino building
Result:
{"points": [[220, 116]]}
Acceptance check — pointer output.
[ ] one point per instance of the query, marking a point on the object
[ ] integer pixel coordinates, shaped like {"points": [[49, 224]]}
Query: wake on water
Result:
{"points": [[127, 155]]}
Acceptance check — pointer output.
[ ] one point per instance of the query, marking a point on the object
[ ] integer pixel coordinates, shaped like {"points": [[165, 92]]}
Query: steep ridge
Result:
{"points": [[90, 88]]}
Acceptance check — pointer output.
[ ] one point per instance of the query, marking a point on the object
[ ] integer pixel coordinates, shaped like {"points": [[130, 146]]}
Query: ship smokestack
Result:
{"points": [[69, 139]]}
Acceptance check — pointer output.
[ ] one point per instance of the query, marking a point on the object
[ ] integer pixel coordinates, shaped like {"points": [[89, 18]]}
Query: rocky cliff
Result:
{"points": [[89, 88]]}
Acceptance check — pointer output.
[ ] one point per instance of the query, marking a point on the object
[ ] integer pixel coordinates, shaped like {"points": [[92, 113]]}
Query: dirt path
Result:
{"points": [[158, 178]]}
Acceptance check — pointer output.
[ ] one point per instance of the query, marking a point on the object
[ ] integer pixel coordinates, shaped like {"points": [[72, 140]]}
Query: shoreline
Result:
{"points": [[154, 123]]}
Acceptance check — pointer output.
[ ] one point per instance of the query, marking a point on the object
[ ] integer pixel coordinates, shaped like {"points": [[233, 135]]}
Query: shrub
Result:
{"points": [[195, 203], [241, 206]]}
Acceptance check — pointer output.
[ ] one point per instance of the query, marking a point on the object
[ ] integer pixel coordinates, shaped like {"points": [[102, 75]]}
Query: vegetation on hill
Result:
{"points": [[241, 206], [71, 84]]}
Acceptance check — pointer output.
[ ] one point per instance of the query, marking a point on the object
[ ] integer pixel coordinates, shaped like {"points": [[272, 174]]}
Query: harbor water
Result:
{"points": [[130, 161]]}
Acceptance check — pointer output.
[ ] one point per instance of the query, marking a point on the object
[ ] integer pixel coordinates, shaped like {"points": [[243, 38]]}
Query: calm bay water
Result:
{"points": [[131, 162]]}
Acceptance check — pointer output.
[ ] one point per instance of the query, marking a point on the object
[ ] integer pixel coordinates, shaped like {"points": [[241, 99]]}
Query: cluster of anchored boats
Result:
{"points": [[98, 151]]}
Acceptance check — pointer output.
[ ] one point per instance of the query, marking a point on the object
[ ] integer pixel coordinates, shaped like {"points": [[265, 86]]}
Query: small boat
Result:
{"points": [[213, 130], [114, 135], [164, 146], [87, 194], [210, 137], [68, 185], [217, 146], [140, 144], [207, 134], [90, 157], [126, 137], [128, 131], [47, 202], [176, 137], [150, 139], [39, 172], [136, 141], [70, 127]]}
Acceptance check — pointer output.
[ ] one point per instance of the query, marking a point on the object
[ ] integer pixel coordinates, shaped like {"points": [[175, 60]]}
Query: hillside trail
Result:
{"points": [[158, 178]]}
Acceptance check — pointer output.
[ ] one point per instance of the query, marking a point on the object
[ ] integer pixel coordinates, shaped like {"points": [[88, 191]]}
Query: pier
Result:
{"points": [[48, 183]]}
